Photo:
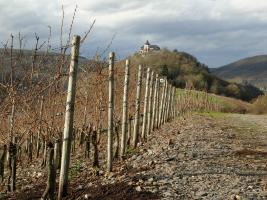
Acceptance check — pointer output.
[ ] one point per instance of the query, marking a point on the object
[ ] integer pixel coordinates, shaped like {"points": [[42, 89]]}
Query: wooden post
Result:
{"points": [[12, 165], [85, 109], [160, 117], [12, 151], [158, 105], [110, 112], [168, 103], [129, 135], [39, 128], [155, 100], [171, 106], [177, 104], [68, 126], [182, 104], [2, 162], [165, 102], [137, 107], [12, 121], [144, 127], [30, 147], [44, 153], [170, 109], [149, 117], [125, 109], [56, 154], [173, 102]]}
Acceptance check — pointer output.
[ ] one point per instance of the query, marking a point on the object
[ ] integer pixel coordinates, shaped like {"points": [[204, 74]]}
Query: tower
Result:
{"points": [[146, 46]]}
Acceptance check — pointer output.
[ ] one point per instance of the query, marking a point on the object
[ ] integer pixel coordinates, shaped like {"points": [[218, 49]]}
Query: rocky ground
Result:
{"points": [[215, 156], [203, 156]]}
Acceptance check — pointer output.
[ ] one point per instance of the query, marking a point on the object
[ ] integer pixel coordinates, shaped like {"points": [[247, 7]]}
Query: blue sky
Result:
{"points": [[217, 32]]}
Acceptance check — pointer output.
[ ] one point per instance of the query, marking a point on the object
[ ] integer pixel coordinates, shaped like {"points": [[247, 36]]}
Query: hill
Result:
{"points": [[41, 64], [185, 71], [252, 70], [182, 70]]}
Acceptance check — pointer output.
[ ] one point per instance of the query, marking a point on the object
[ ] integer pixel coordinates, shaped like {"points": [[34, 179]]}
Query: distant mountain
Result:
{"points": [[252, 70], [45, 63], [212, 69]]}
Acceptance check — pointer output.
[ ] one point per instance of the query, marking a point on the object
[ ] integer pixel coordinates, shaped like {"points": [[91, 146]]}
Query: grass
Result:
{"points": [[226, 104], [75, 168], [130, 150], [259, 106], [212, 114]]}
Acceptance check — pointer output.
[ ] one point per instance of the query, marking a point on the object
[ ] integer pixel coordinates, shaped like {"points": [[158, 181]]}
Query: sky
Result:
{"points": [[217, 32]]}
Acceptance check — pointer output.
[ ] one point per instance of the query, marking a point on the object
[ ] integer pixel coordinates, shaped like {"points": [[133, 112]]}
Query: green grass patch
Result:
{"points": [[225, 104], [75, 169], [130, 150]]}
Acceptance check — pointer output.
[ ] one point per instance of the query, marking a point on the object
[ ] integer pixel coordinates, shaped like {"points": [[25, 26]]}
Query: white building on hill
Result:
{"points": [[147, 47]]}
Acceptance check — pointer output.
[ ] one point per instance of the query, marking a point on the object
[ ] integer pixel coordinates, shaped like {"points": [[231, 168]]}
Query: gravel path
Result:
{"points": [[205, 157]]}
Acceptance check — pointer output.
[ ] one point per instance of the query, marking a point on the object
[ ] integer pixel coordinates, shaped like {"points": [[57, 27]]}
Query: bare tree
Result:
{"points": [[49, 193]]}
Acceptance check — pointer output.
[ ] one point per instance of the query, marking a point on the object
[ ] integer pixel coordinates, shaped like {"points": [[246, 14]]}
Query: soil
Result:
{"points": [[202, 156], [120, 191]]}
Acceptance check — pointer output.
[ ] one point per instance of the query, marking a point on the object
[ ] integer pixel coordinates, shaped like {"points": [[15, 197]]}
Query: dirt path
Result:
{"points": [[205, 156], [259, 120], [215, 156]]}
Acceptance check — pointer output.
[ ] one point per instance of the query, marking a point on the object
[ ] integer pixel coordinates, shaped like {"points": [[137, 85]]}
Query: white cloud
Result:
{"points": [[201, 27]]}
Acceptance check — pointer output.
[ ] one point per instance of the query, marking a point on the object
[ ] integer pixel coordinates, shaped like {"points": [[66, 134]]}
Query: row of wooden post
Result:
{"points": [[156, 110], [153, 116], [161, 104]]}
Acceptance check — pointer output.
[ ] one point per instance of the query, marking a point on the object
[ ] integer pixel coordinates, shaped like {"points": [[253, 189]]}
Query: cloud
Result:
{"points": [[215, 31]]}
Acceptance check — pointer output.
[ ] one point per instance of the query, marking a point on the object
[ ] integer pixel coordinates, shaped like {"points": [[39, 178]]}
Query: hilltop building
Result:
{"points": [[147, 47]]}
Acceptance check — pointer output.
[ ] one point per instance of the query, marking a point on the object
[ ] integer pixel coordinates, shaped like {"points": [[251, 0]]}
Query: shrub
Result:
{"points": [[260, 105]]}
